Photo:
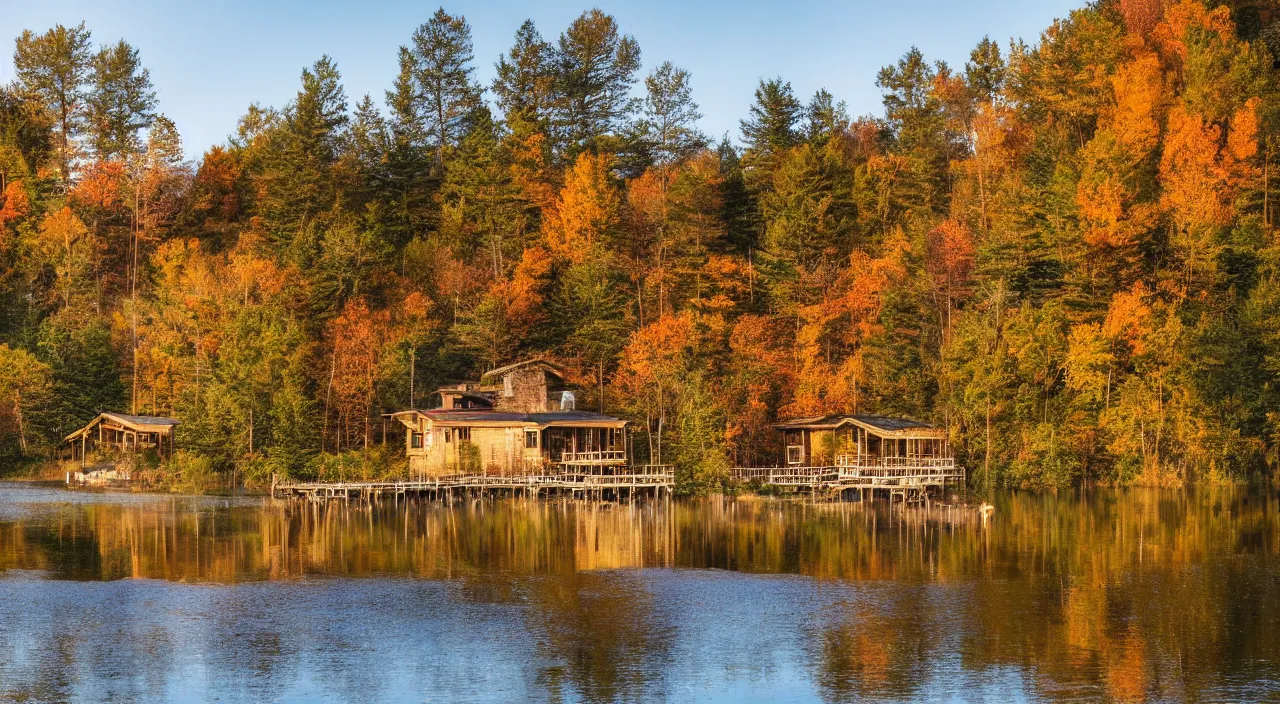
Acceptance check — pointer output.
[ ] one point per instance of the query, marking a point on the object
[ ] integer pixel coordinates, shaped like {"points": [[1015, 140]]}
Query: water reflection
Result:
{"points": [[1120, 596]]}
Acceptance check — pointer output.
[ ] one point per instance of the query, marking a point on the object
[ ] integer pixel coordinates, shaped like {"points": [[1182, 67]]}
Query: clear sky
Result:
{"points": [[210, 60]]}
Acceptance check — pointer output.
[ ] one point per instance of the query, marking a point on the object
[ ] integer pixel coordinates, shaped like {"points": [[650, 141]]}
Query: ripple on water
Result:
{"points": [[128, 597]]}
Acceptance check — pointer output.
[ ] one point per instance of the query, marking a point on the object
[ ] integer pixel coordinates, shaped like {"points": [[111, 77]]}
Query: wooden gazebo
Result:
{"points": [[123, 432]]}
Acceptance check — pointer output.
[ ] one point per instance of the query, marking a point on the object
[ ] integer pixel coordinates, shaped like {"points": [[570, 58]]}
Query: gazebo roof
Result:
{"points": [[880, 425], [138, 424]]}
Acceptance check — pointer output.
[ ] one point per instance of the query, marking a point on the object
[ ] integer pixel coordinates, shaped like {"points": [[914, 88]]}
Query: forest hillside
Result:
{"points": [[1063, 251]]}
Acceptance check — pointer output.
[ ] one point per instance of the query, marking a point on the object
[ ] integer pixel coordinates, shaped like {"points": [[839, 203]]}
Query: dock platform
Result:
{"points": [[617, 484]]}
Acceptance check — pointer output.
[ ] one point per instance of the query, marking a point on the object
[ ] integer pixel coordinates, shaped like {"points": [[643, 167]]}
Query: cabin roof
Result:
{"points": [[548, 366], [484, 417], [884, 424], [140, 424]]}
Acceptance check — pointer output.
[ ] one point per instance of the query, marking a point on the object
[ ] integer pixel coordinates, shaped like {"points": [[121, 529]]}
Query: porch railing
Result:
{"points": [[897, 470], [594, 457], [895, 462]]}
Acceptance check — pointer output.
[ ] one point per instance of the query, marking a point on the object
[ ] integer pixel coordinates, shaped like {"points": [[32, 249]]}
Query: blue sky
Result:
{"points": [[210, 60]]}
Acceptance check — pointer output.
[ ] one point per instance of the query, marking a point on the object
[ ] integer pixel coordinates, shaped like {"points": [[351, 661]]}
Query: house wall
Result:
{"points": [[489, 450], [524, 391]]}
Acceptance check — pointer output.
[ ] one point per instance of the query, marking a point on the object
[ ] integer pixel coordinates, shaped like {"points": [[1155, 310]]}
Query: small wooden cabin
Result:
{"points": [[123, 433], [862, 440]]}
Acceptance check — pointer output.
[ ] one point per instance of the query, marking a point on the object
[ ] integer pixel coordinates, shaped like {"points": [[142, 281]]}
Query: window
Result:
{"points": [[531, 439], [464, 434], [415, 440], [795, 454], [448, 435]]}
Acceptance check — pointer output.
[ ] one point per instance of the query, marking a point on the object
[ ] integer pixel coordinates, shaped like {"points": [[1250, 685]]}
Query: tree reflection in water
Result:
{"points": [[1121, 596]]}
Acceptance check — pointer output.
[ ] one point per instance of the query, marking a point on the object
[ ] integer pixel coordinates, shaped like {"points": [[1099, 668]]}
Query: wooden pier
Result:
{"points": [[579, 482], [905, 479]]}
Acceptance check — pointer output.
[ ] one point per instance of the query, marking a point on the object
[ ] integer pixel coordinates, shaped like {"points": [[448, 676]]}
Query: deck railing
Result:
{"points": [[908, 462], [551, 477], [893, 470], [594, 457], [786, 475]]}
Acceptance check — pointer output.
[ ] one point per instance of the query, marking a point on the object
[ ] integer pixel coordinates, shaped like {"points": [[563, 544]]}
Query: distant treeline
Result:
{"points": [[1064, 252]]}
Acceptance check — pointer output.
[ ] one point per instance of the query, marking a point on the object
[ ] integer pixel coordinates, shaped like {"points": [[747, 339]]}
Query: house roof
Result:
{"points": [[484, 417], [140, 424], [547, 366], [877, 424]]}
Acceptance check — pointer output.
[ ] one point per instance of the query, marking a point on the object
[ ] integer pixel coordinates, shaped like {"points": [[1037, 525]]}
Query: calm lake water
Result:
{"points": [[1114, 596]]}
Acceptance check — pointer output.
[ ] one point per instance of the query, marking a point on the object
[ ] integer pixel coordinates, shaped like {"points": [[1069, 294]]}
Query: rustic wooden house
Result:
{"points": [[862, 440], [518, 419], [121, 433]]}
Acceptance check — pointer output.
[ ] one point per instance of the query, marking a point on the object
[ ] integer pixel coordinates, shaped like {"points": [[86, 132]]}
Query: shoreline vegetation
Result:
{"points": [[1063, 251]]}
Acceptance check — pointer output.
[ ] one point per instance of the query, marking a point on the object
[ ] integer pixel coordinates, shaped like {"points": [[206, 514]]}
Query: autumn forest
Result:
{"points": [[1064, 251]]}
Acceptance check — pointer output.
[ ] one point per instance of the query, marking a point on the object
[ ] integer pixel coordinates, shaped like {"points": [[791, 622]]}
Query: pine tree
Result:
{"points": [[771, 128], [525, 78], [295, 173], [120, 103], [442, 71], [409, 179], [915, 115], [596, 68], [54, 66], [671, 116], [826, 118]]}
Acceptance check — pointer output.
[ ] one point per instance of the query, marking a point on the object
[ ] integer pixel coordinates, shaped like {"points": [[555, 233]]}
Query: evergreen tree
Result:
{"points": [[915, 115], [670, 115], [87, 378], [525, 78], [596, 68], [54, 66], [826, 118], [409, 182], [120, 103], [771, 129], [296, 176], [985, 70], [442, 71]]}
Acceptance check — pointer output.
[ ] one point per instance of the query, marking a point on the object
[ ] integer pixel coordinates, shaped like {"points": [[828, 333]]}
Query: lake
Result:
{"points": [[1110, 595]]}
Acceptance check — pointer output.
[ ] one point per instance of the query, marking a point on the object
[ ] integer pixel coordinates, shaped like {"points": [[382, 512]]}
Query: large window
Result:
{"points": [[531, 439]]}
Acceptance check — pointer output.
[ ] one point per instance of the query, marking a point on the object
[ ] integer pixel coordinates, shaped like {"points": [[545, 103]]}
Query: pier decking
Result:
{"points": [[587, 482], [909, 479]]}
